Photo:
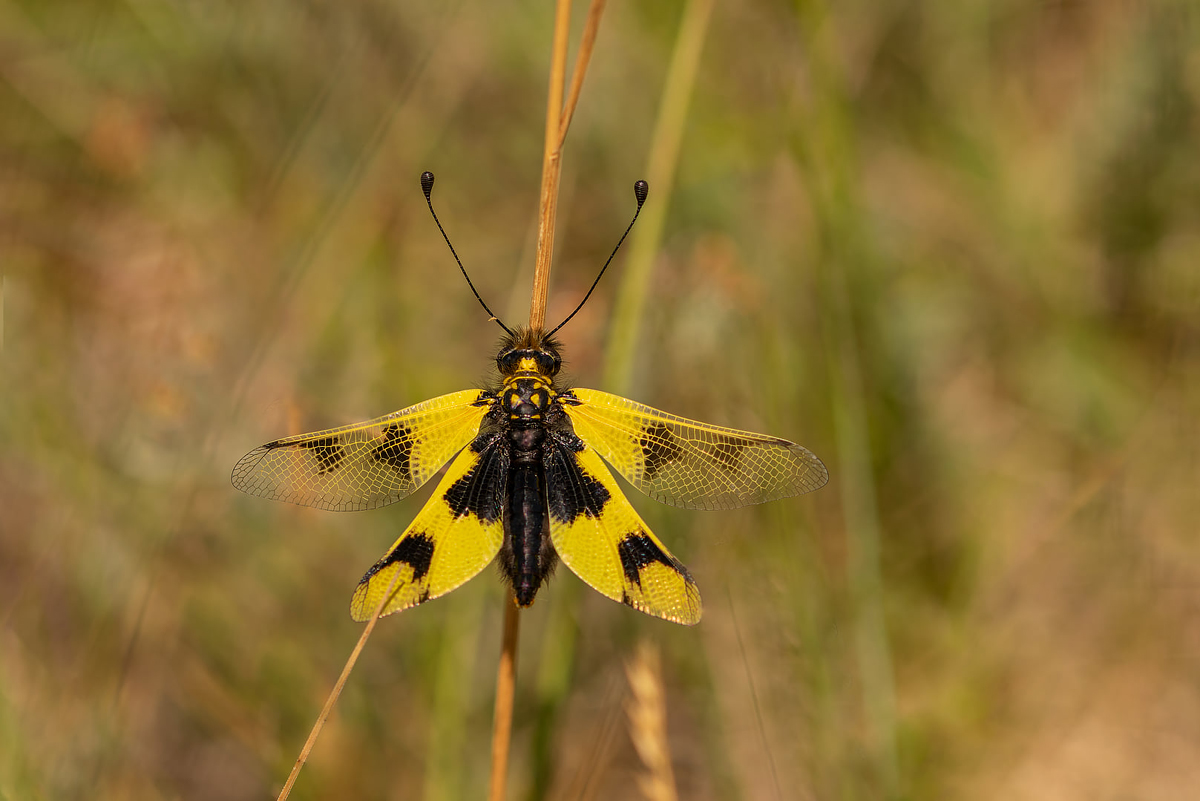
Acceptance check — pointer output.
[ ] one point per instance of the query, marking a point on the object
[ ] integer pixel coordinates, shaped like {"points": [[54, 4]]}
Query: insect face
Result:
{"points": [[513, 361]]}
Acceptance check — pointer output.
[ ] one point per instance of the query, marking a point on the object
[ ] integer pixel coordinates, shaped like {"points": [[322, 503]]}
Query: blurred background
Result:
{"points": [[951, 248]]}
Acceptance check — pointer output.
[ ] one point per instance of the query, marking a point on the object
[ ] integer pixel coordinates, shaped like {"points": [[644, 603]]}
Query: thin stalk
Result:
{"points": [[558, 120], [586, 43], [506, 671], [551, 168], [506, 682], [337, 691]]}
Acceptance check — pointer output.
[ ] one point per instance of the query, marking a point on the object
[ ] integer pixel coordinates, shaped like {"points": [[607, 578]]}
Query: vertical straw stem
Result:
{"points": [[558, 120], [506, 682], [551, 168]]}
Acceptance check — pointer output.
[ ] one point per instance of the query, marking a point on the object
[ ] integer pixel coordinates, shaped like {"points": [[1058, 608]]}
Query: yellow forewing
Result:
{"points": [[600, 537], [456, 535], [366, 465], [687, 463]]}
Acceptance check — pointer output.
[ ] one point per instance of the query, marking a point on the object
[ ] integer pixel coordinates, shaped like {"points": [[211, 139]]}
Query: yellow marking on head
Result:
{"points": [[528, 365]]}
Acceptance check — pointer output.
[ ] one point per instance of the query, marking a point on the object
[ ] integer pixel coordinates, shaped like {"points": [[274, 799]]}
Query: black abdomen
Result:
{"points": [[527, 556]]}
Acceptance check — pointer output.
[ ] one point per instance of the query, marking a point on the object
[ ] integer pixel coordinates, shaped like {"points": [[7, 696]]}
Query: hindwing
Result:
{"points": [[365, 465], [457, 533], [603, 540], [690, 464]]}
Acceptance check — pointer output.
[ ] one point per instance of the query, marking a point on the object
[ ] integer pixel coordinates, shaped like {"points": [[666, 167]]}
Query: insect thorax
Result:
{"points": [[526, 398]]}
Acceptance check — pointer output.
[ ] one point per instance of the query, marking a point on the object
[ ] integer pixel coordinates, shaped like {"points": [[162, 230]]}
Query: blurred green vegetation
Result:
{"points": [[952, 248]]}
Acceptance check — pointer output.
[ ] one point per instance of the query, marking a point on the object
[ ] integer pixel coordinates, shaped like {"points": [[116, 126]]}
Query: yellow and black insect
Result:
{"points": [[529, 481]]}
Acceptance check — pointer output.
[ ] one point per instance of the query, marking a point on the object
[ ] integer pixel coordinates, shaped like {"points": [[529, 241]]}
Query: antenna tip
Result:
{"points": [[427, 183], [640, 190]]}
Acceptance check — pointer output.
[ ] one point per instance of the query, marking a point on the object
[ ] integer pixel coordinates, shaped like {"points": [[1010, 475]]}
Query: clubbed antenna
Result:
{"points": [[427, 187], [640, 190]]}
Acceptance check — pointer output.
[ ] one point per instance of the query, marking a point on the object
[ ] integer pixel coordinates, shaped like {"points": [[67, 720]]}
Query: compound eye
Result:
{"points": [[547, 363], [507, 361]]}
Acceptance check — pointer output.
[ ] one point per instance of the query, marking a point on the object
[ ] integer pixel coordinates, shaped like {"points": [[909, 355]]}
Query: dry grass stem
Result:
{"points": [[335, 692], [506, 671], [506, 682], [558, 120], [586, 44], [647, 710], [551, 167]]}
